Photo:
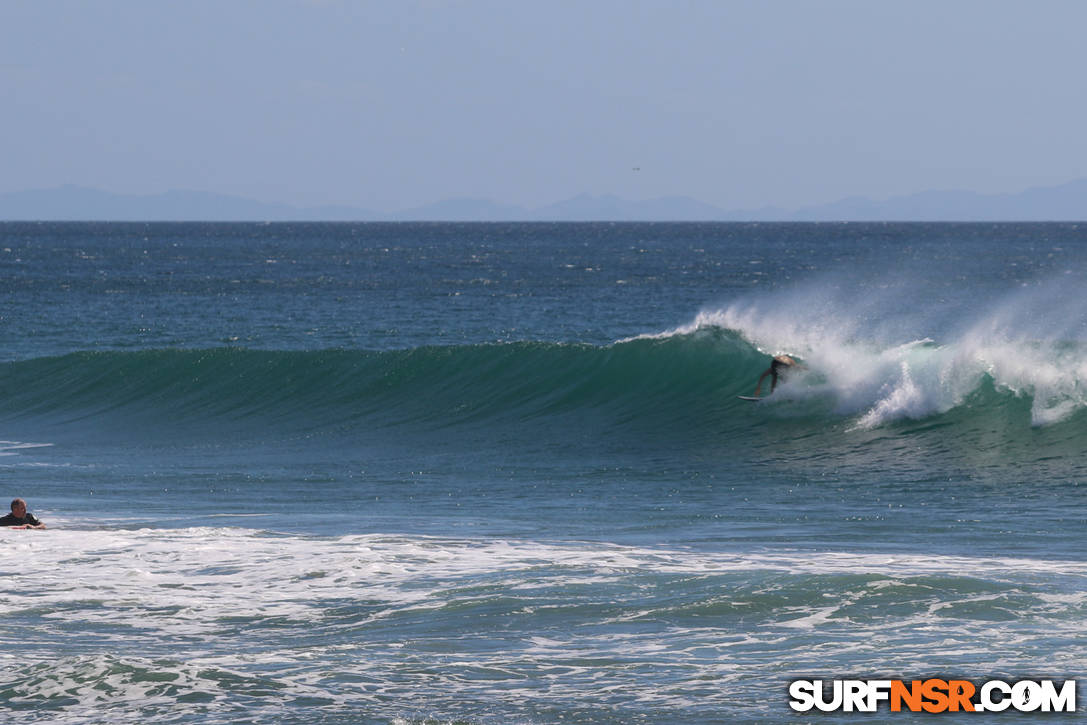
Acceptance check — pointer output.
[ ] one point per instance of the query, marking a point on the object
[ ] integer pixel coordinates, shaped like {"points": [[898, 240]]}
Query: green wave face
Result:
{"points": [[426, 386], [683, 384]]}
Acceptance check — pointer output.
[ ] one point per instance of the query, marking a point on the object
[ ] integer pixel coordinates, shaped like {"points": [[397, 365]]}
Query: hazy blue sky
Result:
{"points": [[387, 105]]}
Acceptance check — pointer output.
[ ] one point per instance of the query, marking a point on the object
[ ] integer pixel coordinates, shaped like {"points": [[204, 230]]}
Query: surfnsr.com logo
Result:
{"points": [[933, 695]]}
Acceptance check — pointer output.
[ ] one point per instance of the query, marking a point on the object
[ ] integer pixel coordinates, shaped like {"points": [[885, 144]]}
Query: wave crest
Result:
{"points": [[684, 381]]}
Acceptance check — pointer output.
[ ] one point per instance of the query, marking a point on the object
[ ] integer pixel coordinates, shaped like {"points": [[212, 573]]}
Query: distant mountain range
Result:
{"points": [[1066, 202]]}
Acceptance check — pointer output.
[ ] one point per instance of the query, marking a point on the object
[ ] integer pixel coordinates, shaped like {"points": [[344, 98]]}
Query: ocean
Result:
{"points": [[499, 473]]}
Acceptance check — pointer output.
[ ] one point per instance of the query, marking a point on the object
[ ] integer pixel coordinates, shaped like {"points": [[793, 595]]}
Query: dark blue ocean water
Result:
{"points": [[493, 473]]}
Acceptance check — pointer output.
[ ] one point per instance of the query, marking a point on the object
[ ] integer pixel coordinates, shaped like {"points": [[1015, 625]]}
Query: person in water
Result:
{"points": [[779, 368], [19, 518]]}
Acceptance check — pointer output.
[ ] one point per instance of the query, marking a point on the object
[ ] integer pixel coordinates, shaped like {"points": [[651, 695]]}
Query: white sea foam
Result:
{"points": [[865, 357], [211, 573], [130, 621]]}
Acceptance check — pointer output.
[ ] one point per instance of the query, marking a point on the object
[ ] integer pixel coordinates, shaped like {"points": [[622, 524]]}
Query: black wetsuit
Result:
{"points": [[779, 369], [12, 520]]}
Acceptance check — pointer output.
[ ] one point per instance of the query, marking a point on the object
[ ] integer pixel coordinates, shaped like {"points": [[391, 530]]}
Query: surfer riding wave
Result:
{"points": [[779, 368]]}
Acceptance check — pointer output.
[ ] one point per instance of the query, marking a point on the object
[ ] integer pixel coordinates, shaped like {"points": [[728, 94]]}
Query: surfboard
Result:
{"points": [[749, 397]]}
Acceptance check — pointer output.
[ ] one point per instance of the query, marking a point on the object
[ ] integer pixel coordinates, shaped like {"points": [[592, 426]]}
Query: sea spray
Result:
{"points": [[1025, 342]]}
